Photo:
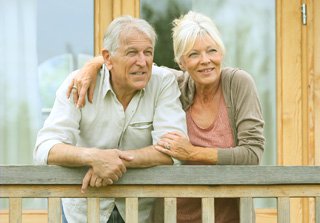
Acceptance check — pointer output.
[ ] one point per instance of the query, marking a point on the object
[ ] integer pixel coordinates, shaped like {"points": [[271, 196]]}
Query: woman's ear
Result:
{"points": [[107, 59], [181, 65]]}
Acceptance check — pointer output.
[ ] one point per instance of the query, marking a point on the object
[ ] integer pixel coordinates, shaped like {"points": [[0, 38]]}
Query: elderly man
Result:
{"points": [[134, 105]]}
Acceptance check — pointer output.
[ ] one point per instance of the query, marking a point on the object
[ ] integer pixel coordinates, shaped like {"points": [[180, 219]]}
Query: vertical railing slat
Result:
{"points": [[132, 210], [246, 210], [317, 209], [208, 210], [170, 210], [283, 209], [54, 210], [93, 210], [15, 210]]}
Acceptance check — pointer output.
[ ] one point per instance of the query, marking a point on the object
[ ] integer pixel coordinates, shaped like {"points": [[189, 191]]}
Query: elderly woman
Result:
{"points": [[224, 118]]}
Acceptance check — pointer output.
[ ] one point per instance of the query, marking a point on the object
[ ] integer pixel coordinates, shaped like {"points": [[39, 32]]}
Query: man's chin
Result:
{"points": [[140, 86]]}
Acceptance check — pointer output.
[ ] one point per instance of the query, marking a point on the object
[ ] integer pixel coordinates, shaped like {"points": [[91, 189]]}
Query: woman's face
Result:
{"points": [[203, 61]]}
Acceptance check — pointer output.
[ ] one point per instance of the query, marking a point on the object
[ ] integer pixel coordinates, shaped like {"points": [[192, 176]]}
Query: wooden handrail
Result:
{"points": [[169, 175], [168, 182]]}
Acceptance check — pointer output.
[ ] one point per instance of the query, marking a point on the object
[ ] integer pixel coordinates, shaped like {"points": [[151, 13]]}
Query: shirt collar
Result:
{"points": [[104, 72]]}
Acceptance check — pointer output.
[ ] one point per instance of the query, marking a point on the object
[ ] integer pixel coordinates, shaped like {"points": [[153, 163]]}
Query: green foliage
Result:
{"points": [[163, 25]]}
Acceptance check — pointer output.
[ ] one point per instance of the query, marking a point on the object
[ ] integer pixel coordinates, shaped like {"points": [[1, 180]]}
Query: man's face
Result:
{"points": [[130, 66]]}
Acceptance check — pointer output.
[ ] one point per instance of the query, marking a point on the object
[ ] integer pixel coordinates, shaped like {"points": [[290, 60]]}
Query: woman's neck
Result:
{"points": [[207, 94]]}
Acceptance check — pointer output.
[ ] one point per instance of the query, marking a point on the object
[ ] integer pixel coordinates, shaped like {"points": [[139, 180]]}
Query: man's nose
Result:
{"points": [[141, 60]]}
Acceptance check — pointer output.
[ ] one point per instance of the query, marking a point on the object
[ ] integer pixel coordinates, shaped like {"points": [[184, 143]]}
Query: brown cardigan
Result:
{"points": [[244, 110]]}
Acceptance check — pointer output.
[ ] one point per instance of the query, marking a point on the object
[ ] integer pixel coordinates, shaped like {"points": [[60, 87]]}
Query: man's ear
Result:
{"points": [[107, 58]]}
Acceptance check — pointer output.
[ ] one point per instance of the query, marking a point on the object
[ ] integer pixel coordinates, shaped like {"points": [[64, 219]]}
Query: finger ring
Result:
{"points": [[167, 147], [74, 87]]}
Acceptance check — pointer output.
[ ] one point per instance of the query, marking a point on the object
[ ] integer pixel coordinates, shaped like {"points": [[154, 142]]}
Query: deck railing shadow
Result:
{"points": [[168, 182]]}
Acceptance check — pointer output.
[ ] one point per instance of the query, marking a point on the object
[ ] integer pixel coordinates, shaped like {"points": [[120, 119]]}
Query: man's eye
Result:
{"points": [[131, 53], [148, 53]]}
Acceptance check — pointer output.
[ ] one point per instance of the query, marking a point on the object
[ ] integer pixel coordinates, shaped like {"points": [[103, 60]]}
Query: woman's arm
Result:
{"points": [[84, 82], [248, 125], [247, 121], [178, 146]]}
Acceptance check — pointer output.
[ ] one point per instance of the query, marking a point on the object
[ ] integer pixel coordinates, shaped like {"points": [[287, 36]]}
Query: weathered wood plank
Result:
{"points": [[246, 210], [170, 210], [93, 210], [207, 210], [40, 216], [15, 210], [123, 191], [41, 175], [283, 210], [132, 210], [317, 209], [170, 175], [54, 210]]}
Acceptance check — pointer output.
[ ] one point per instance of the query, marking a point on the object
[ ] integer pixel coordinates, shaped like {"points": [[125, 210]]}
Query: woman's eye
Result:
{"points": [[213, 51], [193, 54]]}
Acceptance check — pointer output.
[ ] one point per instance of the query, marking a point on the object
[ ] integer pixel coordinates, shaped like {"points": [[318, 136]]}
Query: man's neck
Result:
{"points": [[123, 95], [125, 99]]}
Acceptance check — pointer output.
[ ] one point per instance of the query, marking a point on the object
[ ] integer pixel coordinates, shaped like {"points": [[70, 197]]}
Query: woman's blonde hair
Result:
{"points": [[188, 28]]}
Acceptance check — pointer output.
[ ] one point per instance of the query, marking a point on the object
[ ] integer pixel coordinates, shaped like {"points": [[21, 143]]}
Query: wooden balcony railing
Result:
{"points": [[168, 182]]}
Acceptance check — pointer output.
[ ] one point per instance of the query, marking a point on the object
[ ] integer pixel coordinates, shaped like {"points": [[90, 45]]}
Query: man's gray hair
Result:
{"points": [[188, 28], [111, 39]]}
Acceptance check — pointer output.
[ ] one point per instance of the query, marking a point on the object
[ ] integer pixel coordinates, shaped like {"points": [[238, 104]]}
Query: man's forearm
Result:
{"points": [[68, 155], [146, 157]]}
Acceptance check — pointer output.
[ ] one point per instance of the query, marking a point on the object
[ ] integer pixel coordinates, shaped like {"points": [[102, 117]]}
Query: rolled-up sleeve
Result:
{"points": [[62, 125], [169, 115]]}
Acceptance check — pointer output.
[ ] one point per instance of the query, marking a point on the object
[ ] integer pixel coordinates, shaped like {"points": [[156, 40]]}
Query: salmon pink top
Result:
{"points": [[218, 134]]}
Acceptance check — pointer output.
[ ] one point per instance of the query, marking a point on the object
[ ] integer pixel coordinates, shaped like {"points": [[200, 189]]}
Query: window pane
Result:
{"points": [[55, 36], [65, 42]]}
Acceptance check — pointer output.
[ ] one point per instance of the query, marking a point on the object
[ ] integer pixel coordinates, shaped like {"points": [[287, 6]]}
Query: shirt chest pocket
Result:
{"points": [[138, 134]]}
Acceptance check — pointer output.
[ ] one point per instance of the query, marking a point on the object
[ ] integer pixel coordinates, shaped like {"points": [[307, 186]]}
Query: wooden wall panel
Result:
{"points": [[310, 106], [106, 11], [103, 15], [289, 86], [289, 91], [298, 95], [307, 88], [316, 87]]}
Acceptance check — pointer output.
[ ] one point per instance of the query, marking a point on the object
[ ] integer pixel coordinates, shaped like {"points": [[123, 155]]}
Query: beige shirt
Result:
{"points": [[104, 124]]}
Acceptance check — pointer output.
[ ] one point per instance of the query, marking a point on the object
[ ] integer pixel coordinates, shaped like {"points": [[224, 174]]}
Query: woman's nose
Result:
{"points": [[205, 58]]}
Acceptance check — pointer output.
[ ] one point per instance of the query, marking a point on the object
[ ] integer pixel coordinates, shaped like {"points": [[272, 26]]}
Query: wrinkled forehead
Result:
{"points": [[132, 35]]}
